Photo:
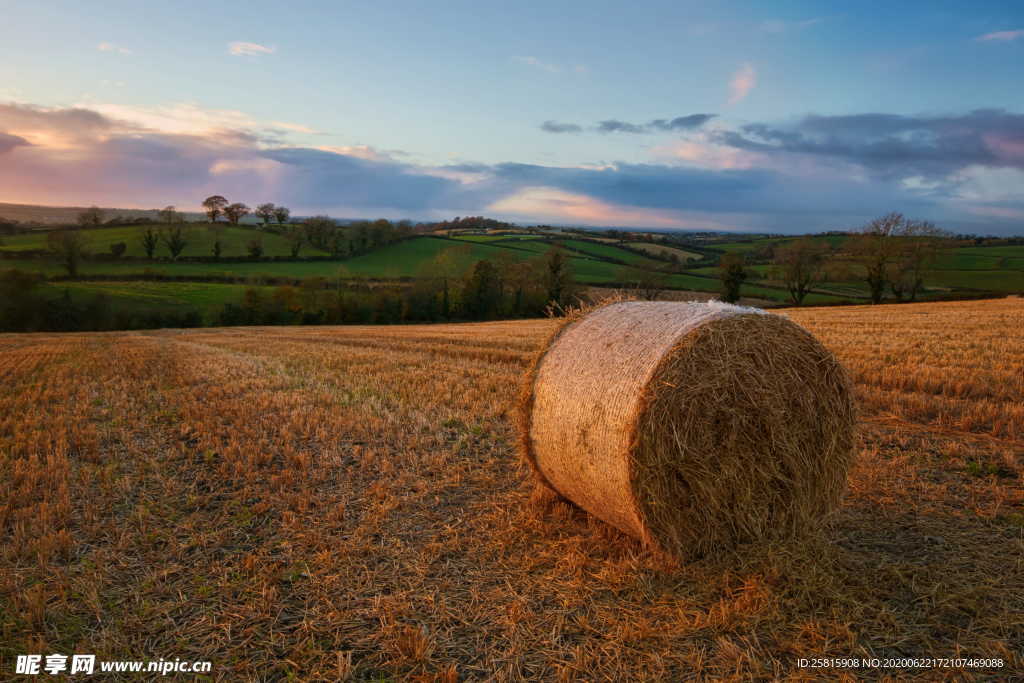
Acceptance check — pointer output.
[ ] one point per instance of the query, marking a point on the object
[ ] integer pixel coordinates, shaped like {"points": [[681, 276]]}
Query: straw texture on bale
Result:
{"points": [[692, 426]]}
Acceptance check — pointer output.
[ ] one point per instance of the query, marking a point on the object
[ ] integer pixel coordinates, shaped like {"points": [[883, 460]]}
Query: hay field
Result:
{"points": [[323, 503]]}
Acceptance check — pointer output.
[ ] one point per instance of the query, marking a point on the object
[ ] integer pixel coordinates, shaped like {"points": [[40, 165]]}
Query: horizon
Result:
{"points": [[774, 118]]}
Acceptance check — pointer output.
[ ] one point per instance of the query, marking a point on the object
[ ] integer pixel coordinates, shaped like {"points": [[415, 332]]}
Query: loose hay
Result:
{"points": [[693, 426]]}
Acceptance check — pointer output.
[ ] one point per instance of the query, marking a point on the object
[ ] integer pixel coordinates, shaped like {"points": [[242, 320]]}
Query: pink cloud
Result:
{"points": [[243, 49], [551, 204], [743, 81], [1002, 36]]}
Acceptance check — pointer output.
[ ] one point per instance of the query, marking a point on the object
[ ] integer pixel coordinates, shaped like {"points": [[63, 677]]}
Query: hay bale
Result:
{"points": [[693, 426]]}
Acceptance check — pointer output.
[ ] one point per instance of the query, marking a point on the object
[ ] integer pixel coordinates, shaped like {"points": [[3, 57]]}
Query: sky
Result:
{"points": [[783, 116]]}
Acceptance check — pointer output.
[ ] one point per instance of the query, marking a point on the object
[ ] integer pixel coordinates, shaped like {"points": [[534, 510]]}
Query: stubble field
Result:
{"points": [[321, 503]]}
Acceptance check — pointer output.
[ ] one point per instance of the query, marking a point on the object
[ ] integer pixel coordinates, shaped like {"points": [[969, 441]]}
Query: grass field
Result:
{"points": [[137, 296], [663, 250], [234, 241], [323, 503]]}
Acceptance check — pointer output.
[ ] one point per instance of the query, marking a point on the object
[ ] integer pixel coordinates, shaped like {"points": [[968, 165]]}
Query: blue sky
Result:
{"points": [[815, 115]]}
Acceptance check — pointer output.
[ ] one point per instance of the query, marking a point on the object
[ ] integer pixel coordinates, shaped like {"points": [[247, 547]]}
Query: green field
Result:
{"points": [[745, 247], [662, 249], [494, 238], [968, 269], [137, 297], [200, 238], [409, 258]]}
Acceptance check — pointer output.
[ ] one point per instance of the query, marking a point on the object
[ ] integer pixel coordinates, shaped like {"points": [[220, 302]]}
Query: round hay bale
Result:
{"points": [[693, 426]]}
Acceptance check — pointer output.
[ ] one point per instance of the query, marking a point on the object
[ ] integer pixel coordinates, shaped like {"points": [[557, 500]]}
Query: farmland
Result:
{"points": [[326, 502], [220, 264]]}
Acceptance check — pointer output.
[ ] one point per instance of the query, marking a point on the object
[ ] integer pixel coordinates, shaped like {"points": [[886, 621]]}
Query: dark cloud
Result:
{"points": [[9, 142], [689, 122], [556, 127], [317, 178], [615, 126], [682, 122], [73, 122], [896, 146]]}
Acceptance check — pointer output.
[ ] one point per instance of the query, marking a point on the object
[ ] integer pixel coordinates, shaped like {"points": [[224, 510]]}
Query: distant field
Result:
{"points": [[234, 241], [495, 238], [610, 251], [661, 249], [753, 245]]}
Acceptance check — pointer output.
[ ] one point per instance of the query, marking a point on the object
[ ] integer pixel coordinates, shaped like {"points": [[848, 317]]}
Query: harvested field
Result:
{"points": [[321, 502]]}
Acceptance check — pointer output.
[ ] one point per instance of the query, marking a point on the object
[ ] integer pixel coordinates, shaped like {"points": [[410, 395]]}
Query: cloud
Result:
{"points": [[894, 146], [680, 123], [110, 47], [615, 126], [9, 142], [1002, 36], [243, 49], [742, 82], [556, 127], [80, 156], [559, 205]]}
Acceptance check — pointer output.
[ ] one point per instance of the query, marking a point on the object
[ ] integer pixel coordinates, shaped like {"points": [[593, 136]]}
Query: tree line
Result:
{"points": [[445, 291], [891, 255]]}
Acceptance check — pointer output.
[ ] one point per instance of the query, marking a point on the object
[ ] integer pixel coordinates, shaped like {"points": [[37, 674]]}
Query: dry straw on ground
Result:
{"points": [[692, 426]]}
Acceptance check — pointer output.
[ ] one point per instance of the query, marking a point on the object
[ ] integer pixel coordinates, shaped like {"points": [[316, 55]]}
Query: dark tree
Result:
{"points": [[214, 206], [169, 215], [295, 236], [255, 247], [874, 250], [557, 277], [91, 217], [235, 212], [319, 231], [918, 246], [481, 295], [732, 272], [150, 240], [266, 212], [281, 214], [117, 249], [69, 246], [174, 239], [799, 264]]}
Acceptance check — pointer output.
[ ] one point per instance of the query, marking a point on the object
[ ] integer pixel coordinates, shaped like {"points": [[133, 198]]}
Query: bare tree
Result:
{"points": [[91, 217], [919, 246], [874, 250], [281, 214], [69, 246], [235, 212], [169, 215], [799, 264], [214, 206], [175, 239], [266, 212]]}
